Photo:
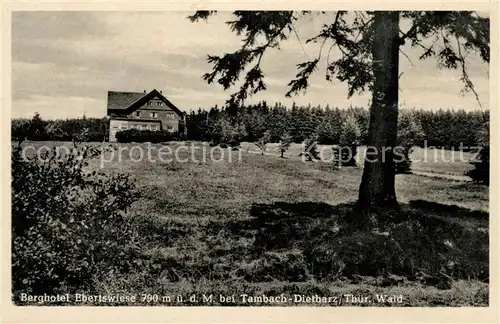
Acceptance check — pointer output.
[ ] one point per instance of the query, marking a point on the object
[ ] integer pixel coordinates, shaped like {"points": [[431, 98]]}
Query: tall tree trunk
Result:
{"points": [[377, 195]]}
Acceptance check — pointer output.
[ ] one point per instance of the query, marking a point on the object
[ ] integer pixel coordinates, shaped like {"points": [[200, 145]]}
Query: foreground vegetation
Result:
{"points": [[267, 225]]}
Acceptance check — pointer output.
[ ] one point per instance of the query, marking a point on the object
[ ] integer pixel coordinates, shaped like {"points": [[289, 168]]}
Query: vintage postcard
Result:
{"points": [[249, 162]]}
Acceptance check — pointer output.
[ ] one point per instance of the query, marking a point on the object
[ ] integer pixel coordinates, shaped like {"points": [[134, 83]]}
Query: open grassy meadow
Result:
{"points": [[425, 160], [243, 223]]}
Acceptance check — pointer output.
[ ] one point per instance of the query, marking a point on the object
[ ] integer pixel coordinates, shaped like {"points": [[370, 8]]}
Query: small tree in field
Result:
{"points": [[310, 149], [263, 141], [285, 142]]}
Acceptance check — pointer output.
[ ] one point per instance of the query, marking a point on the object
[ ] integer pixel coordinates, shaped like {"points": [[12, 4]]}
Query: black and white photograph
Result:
{"points": [[250, 158]]}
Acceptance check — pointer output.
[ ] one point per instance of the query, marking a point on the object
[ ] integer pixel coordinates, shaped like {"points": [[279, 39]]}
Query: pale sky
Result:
{"points": [[63, 64]]}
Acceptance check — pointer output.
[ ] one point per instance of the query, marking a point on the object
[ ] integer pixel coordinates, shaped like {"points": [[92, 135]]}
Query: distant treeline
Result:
{"points": [[441, 128], [38, 129]]}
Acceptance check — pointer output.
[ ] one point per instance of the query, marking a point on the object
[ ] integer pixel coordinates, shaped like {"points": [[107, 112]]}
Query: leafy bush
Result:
{"points": [[68, 224], [141, 136]]}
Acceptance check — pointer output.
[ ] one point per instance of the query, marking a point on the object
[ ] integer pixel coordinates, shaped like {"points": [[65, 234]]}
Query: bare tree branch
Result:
{"points": [[402, 52], [298, 39]]}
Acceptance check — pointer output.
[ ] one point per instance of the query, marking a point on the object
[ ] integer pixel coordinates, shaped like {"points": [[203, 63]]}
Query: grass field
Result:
{"points": [[431, 160], [266, 225]]}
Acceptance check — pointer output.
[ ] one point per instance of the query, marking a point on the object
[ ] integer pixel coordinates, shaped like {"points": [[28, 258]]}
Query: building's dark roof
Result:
{"points": [[127, 102], [122, 100]]}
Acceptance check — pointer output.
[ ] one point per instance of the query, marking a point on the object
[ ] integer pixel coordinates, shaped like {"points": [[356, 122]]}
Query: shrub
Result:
{"points": [[141, 136], [481, 171], [68, 224], [95, 136], [481, 160]]}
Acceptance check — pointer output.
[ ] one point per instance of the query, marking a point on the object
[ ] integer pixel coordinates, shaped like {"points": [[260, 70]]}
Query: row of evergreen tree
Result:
{"points": [[441, 128], [38, 129]]}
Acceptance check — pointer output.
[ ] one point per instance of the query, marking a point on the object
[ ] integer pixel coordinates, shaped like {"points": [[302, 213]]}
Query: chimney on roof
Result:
{"points": [[161, 91], [144, 91]]}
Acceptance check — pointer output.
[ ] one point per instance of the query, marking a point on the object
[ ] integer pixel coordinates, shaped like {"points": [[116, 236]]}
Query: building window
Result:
{"points": [[155, 127], [148, 103], [170, 115], [154, 115], [114, 126], [138, 114], [159, 103], [123, 126], [148, 127]]}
